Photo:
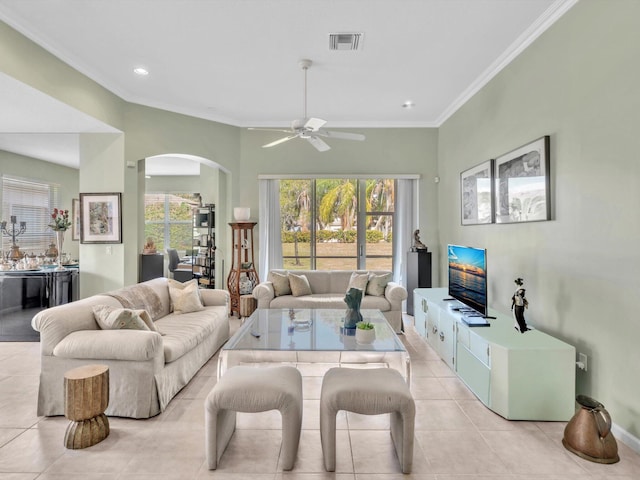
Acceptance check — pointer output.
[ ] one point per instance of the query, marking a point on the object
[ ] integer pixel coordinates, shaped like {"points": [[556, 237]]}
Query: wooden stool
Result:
{"points": [[248, 305], [86, 396]]}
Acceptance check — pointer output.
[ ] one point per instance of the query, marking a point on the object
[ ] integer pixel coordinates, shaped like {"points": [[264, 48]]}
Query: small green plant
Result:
{"points": [[364, 325]]}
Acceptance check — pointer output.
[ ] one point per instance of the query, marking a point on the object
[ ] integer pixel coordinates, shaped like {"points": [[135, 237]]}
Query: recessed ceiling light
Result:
{"points": [[408, 104], [141, 71]]}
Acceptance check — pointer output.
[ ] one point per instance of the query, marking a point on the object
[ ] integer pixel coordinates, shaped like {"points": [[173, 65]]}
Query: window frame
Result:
{"points": [[20, 194], [361, 221]]}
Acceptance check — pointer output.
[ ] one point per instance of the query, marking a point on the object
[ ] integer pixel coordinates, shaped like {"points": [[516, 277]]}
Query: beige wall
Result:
{"points": [[578, 83]]}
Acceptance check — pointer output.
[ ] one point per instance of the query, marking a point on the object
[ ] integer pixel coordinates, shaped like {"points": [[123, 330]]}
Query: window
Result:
{"points": [[337, 223], [32, 202], [168, 218]]}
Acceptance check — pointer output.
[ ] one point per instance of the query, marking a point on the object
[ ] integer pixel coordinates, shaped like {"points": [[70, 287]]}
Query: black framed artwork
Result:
{"points": [[476, 194], [522, 184]]}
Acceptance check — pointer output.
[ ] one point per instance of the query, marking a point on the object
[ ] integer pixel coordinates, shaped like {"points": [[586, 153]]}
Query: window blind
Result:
{"points": [[30, 201]]}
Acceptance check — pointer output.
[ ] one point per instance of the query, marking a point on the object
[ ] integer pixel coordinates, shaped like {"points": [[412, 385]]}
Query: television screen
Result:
{"points": [[468, 276]]}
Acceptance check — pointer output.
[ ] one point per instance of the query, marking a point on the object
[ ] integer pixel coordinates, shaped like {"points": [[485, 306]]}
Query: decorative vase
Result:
{"points": [[365, 336], [353, 298], [241, 214], [59, 243]]}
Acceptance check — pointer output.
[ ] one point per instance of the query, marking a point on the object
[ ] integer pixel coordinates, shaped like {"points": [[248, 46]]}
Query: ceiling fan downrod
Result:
{"points": [[305, 63]]}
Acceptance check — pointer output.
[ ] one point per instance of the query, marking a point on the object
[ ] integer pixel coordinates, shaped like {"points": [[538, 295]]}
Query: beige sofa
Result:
{"points": [[328, 288], [146, 369]]}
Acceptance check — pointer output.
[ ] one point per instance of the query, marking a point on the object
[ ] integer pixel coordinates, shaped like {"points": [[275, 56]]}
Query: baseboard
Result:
{"points": [[625, 437]]}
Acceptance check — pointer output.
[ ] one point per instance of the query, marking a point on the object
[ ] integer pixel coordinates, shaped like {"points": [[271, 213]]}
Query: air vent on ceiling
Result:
{"points": [[345, 41]]}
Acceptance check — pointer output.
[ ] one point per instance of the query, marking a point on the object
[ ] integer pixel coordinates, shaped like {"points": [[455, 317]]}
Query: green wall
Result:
{"points": [[579, 83], [385, 151]]}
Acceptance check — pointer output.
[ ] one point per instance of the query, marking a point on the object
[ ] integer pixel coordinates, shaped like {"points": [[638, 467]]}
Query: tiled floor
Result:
{"points": [[457, 438]]}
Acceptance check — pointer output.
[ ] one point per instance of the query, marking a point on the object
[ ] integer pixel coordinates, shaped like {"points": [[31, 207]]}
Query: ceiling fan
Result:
{"points": [[309, 129]]}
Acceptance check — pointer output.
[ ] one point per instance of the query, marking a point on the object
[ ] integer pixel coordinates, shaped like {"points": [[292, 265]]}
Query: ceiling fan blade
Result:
{"points": [[341, 135], [314, 124], [270, 129], [320, 145], [278, 142]]}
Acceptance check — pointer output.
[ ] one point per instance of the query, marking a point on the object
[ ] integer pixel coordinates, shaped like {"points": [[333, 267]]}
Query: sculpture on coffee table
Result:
{"points": [[353, 298]]}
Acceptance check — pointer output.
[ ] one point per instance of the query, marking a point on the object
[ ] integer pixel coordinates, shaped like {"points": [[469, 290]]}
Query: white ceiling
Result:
{"points": [[236, 61]]}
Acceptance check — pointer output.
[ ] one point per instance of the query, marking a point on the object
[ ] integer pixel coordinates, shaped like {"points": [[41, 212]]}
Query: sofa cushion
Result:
{"points": [[131, 345], [358, 280], [328, 300], [182, 333], [299, 285], [110, 318], [280, 283], [377, 284], [185, 297]]}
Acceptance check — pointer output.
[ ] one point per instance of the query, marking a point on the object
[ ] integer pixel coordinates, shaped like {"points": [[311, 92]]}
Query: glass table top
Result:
{"points": [[310, 330]]}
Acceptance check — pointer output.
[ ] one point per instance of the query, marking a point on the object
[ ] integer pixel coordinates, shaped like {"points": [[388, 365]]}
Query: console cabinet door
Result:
{"points": [[433, 314], [447, 339], [420, 314]]}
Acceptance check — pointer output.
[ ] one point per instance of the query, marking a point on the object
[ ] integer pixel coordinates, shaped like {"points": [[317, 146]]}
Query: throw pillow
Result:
{"points": [[299, 285], [185, 297], [358, 280], [146, 318], [377, 283], [112, 318], [280, 283]]}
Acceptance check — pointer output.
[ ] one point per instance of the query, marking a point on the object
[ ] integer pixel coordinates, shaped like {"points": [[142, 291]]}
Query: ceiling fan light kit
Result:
{"points": [[309, 129]]}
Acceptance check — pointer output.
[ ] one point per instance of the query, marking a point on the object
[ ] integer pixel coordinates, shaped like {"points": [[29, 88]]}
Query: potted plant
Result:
{"points": [[365, 332]]}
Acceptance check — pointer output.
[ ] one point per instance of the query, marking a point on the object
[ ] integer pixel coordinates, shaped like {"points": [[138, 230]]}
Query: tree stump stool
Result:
{"points": [[248, 305], [86, 396]]}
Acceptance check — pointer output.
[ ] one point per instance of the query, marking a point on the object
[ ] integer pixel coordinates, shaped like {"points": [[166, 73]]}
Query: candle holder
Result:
{"points": [[14, 233]]}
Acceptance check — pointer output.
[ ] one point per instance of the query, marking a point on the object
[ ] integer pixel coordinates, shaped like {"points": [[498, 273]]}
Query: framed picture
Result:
{"points": [[100, 218], [522, 184], [476, 190], [75, 219]]}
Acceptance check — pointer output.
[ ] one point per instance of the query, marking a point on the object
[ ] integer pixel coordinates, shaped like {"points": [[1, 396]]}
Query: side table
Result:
{"points": [[248, 305], [86, 396]]}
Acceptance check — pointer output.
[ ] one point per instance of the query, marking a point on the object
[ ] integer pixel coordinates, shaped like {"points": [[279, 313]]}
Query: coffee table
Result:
{"points": [[302, 336]]}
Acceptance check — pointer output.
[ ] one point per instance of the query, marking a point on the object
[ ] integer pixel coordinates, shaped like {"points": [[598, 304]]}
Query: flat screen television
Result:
{"points": [[468, 276]]}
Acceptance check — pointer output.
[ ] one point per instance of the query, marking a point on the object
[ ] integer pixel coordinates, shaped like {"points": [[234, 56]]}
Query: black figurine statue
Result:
{"points": [[353, 298], [518, 304], [417, 244]]}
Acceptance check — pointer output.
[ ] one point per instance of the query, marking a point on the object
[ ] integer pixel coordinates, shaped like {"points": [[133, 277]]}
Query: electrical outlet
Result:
{"points": [[582, 359]]}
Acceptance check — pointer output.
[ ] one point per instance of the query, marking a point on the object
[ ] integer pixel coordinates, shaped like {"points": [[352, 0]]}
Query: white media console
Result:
{"points": [[521, 376]]}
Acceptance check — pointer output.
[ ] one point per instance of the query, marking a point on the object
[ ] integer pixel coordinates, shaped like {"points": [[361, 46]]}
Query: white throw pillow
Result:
{"points": [[299, 285], [280, 283], [114, 318], [358, 280], [185, 297], [378, 283]]}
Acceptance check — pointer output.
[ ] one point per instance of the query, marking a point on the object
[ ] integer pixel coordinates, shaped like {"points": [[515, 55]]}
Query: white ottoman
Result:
{"points": [[254, 389], [368, 392]]}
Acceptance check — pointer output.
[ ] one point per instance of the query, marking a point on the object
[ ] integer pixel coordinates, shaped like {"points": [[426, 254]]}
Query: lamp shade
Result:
{"points": [[241, 214]]}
